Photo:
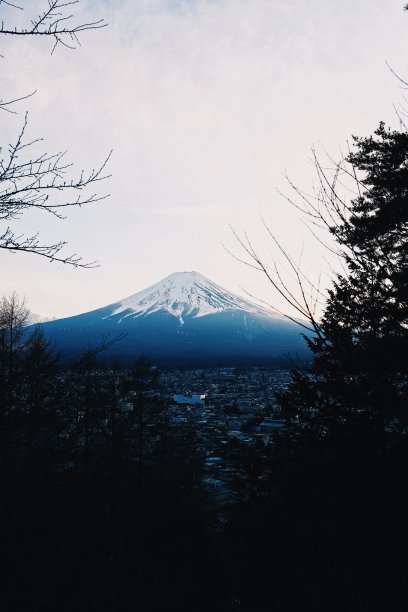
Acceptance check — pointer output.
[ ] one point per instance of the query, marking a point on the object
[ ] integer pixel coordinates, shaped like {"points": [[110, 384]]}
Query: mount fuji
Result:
{"points": [[184, 319]]}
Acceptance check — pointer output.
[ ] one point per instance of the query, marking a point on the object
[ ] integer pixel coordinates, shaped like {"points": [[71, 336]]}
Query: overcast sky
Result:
{"points": [[205, 103]]}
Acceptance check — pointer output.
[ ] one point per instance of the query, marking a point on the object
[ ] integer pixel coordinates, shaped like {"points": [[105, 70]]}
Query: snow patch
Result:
{"points": [[184, 294]]}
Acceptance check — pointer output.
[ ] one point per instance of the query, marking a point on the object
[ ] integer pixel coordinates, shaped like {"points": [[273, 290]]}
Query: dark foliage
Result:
{"points": [[332, 507], [100, 504]]}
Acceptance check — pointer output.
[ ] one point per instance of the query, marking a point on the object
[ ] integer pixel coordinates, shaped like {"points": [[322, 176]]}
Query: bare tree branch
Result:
{"points": [[40, 182], [4, 104], [301, 306], [54, 21]]}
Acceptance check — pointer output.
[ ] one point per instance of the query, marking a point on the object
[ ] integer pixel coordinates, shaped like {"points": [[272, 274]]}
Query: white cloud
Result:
{"points": [[205, 103]]}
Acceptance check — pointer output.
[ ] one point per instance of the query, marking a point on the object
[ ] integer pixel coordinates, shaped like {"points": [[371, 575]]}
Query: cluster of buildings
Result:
{"points": [[227, 410]]}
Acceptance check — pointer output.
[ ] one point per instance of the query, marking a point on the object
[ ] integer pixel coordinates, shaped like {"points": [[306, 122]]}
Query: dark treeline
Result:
{"points": [[102, 501], [331, 498]]}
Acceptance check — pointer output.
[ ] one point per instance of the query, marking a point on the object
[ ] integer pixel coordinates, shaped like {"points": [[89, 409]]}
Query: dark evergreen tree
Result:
{"points": [[360, 371], [39, 366], [323, 521], [343, 457]]}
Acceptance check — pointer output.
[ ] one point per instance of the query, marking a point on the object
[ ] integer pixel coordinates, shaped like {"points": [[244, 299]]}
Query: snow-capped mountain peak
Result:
{"points": [[168, 322], [184, 294]]}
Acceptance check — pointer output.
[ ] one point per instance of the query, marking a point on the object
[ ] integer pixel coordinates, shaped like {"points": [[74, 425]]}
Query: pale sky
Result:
{"points": [[205, 103]]}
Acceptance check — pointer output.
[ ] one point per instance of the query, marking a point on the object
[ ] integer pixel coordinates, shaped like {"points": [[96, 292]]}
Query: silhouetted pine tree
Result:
{"points": [[359, 375], [322, 525], [340, 468]]}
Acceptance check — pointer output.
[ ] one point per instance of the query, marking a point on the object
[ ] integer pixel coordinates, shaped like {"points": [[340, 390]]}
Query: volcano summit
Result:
{"points": [[184, 319]]}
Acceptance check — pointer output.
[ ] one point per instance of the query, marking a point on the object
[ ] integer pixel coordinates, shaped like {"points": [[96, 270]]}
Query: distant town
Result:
{"points": [[225, 409]]}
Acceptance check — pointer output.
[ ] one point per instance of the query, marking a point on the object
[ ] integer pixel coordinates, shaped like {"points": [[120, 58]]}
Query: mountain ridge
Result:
{"points": [[186, 318]]}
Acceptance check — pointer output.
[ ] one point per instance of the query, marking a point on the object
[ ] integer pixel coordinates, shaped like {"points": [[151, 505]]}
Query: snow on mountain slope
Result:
{"points": [[168, 322], [184, 294]]}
